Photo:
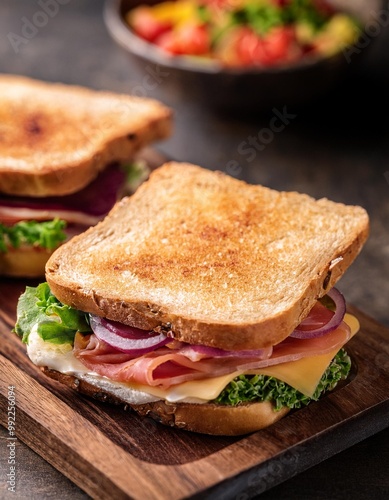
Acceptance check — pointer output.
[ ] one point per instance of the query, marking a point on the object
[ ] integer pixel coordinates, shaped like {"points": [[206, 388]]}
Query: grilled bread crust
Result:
{"points": [[211, 259], [55, 138], [208, 418]]}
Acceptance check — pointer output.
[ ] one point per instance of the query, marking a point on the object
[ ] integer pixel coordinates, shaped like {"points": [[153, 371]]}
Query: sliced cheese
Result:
{"points": [[200, 391], [303, 374]]}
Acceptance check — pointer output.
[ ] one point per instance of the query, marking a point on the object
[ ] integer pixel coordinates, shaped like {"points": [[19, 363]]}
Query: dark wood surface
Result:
{"points": [[337, 147]]}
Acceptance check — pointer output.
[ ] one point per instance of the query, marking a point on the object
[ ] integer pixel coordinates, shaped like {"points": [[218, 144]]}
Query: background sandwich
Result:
{"points": [[62, 152], [196, 302]]}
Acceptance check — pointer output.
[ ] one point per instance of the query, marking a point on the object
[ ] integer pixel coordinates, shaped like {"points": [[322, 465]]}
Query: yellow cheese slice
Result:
{"points": [[303, 374]]}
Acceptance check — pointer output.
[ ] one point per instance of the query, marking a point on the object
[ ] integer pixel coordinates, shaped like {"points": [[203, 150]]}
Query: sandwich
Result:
{"points": [[200, 301], [66, 157]]}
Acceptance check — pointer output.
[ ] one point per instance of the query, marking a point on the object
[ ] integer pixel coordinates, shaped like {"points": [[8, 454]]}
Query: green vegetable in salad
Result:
{"points": [[245, 32], [304, 11], [261, 18]]}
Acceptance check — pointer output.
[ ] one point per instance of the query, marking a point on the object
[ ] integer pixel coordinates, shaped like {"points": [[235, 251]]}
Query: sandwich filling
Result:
{"points": [[45, 223], [141, 366]]}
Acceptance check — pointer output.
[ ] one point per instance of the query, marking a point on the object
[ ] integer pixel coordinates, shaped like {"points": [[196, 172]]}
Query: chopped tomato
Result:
{"points": [[147, 26], [189, 39], [279, 43], [194, 39], [169, 43], [250, 48], [216, 3], [275, 47]]}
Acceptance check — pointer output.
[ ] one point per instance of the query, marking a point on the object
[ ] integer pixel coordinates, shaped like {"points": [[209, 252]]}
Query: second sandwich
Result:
{"points": [[66, 156]]}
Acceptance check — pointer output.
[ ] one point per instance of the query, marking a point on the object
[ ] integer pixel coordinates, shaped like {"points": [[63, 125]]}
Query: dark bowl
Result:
{"points": [[237, 89]]}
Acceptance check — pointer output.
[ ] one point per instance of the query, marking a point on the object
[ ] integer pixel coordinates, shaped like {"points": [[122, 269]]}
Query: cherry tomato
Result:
{"points": [[250, 48], [169, 43], [190, 39], [278, 43], [274, 47], [146, 25], [281, 3], [194, 39]]}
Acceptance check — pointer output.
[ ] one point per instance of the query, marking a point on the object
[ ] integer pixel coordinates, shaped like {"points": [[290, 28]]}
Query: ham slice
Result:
{"points": [[86, 207], [10, 216], [165, 367]]}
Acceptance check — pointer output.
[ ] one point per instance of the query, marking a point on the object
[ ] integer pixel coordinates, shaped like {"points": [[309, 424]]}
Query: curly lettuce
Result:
{"points": [[136, 172], [48, 234], [56, 322], [256, 388]]}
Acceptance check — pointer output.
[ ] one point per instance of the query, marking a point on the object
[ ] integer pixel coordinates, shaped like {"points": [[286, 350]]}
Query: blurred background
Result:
{"points": [[335, 146]]}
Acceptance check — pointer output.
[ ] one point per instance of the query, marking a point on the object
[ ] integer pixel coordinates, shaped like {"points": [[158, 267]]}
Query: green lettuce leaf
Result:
{"points": [[27, 313], [55, 333], [256, 388], [57, 322], [136, 173], [48, 234]]}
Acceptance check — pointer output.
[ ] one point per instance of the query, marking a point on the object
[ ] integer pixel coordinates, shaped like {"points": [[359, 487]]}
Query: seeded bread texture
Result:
{"points": [[214, 260], [55, 138]]}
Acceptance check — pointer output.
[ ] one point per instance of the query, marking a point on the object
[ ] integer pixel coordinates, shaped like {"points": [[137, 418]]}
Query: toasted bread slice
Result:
{"points": [[54, 138], [215, 260]]}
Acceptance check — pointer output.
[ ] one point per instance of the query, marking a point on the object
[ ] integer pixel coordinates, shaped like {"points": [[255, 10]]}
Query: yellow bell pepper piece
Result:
{"points": [[339, 32], [175, 12]]}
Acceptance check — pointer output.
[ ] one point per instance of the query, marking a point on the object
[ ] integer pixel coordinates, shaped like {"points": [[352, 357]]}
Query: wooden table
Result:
{"points": [[337, 148]]}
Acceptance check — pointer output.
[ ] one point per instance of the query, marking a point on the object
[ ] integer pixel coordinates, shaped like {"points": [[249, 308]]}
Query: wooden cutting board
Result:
{"points": [[111, 453]]}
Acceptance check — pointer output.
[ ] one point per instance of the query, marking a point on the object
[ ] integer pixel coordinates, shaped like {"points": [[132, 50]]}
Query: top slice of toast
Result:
{"points": [[220, 262], [55, 138]]}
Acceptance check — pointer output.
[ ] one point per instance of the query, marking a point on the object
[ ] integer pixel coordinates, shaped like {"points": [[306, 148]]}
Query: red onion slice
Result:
{"points": [[96, 199], [125, 338], [302, 332]]}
